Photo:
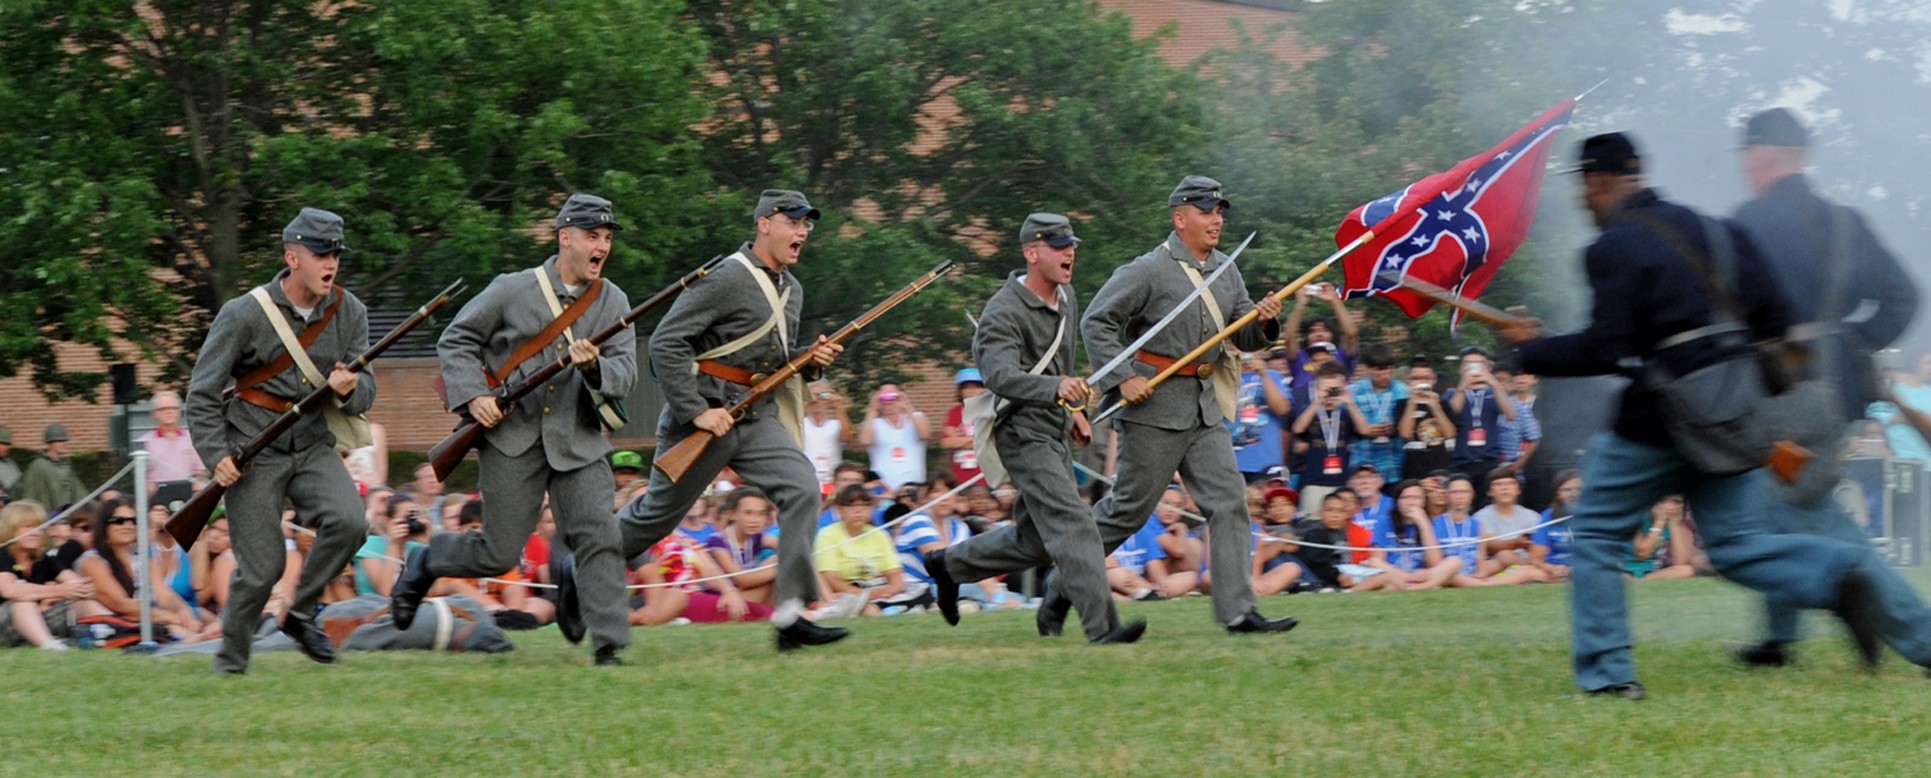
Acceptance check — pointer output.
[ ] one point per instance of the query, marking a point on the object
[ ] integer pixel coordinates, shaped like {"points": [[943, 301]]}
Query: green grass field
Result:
{"points": [[1421, 684]]}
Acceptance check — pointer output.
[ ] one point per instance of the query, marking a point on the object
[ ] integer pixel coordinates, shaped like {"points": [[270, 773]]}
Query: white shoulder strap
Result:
{"points": [[556, 305], [289, 341], [777, 320], [1206, 295]]}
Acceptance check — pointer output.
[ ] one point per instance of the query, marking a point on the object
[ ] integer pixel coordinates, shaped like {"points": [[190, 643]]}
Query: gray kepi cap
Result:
{"points": [[1198, 191], [319, 230], [1053, 228], [789, 202], [587, 212], [55, 433]]}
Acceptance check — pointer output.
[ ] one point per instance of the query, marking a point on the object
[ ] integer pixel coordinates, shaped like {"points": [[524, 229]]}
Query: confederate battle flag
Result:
{"points": [[1452, 229]]}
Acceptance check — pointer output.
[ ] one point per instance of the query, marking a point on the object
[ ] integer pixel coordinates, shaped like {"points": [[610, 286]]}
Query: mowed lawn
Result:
{"points": [[1422, 684]]}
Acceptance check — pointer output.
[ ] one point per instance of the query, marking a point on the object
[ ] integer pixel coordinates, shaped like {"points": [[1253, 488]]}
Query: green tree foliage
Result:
{"points": [[154, 150], [928, 129]]}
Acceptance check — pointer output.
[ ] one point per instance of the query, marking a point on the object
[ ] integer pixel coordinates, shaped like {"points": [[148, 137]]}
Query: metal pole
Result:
{"points": [[143, 541]]}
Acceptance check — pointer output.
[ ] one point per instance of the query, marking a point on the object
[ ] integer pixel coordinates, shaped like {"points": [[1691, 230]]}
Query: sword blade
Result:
{"points": [[1134, 347]]}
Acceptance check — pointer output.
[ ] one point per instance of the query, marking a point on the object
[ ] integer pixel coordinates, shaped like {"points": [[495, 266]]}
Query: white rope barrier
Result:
{"points": [[71, 507], [887, 526], [1267, 538]]}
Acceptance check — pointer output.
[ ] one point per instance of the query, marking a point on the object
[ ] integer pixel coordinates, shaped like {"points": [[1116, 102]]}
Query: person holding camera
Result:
{"points": [[827, 430], [1330, 424], [1318, 335], [1423, 423], [894, 433], [1479, 406]]}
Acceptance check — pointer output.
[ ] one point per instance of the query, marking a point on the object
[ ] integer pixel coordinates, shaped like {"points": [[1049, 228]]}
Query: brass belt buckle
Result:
{"points": [[757, 378], [1204, 369]]}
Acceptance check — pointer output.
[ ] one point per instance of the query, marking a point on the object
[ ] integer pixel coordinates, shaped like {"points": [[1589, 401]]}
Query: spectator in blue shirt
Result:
{"points": [[1380, 398], [1329, 425], [1520, 435], [1262, 415], [1302, 338], [1177, 572], [1126, 567], [1462, 533], [1478, 406], [1552, 547], [1404, 547]]}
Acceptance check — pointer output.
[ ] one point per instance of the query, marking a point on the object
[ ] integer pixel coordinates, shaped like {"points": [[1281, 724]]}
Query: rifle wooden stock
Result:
{"points": [[449, 453], [677, 461], [186, 524], [1482, 312]]}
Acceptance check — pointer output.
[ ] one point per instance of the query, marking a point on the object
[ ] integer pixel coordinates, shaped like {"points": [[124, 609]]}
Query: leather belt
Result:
{"points": [[1160, 363], [264, 400], [724, 372]]}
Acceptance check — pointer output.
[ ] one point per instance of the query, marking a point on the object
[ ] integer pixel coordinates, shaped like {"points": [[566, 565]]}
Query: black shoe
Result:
{"points": [[1053, 607], [607, 657], [563, 573], [1769, 653], [1857, 607], [1125, 633], [1254, 622], [944, 590], [1151, 595], [803, 633], [411, 586], [1629, 691], [310, 638]]}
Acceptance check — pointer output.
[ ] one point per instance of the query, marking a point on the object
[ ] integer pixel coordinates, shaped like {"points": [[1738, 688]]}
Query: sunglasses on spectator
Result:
{"points": [[117, 519]]}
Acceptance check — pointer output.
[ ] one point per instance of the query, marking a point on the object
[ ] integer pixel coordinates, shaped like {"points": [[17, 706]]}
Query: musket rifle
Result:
{"points": [[186, 524], [677, 461], [445, 456]]}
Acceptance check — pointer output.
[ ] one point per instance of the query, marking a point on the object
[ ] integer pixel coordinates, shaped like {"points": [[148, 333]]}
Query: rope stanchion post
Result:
{"points": [[143, 547]]}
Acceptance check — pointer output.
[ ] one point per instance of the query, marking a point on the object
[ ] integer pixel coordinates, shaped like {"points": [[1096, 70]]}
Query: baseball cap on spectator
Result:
{"points": [[627, 460], [1321, 345], [1282, 491], [969, 375], [56, 432], [1273, 474], [1363, 467]]}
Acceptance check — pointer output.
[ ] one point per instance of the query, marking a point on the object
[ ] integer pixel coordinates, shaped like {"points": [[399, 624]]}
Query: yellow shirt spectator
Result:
{"points": [[859, 561]]}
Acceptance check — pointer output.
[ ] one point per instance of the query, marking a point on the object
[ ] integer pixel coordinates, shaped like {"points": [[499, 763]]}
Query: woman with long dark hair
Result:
{"points": [[110, 566], [1403, 546]]}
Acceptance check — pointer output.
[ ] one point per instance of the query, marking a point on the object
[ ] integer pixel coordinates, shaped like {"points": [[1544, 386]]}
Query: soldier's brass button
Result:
{"points": [[553, 387], [546, 411]]}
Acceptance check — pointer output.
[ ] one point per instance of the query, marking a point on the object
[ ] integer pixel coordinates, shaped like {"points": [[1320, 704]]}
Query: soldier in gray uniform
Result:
{"points": [[1179, 426], [723, 335], [300, 467], [1034, 311], [551, 441]]}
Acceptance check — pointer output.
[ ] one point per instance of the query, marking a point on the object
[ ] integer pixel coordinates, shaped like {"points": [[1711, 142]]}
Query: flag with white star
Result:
{"points": [[1452, 229]]}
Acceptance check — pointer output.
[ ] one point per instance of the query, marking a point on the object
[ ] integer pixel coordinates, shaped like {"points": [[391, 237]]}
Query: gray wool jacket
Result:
{"points": [[241, 340], [1014, 331], [717, 309], [1139, 294], [561, 415]]}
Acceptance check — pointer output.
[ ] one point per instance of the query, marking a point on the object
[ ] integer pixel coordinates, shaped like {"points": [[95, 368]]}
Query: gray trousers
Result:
{"points": [[1906, 623], [766, 456], [1049, 523], [1204, 456], [513, 489], [325, 500]]}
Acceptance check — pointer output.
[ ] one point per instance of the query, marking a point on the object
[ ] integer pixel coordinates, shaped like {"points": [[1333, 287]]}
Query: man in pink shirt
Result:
{"points": [[171, 454]]}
